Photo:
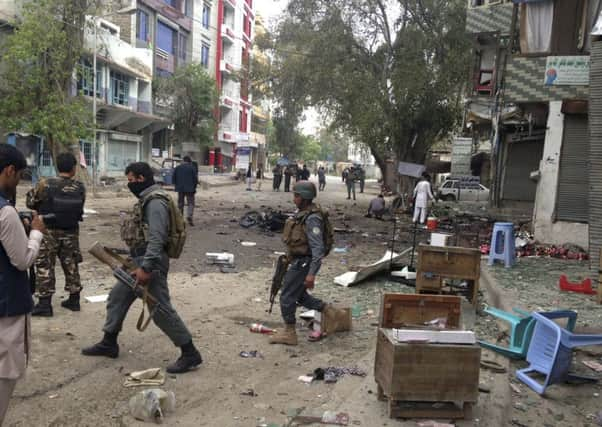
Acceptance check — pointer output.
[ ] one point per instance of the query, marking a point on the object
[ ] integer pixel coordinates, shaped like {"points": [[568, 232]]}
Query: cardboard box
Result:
{"points": [[340, 322]]}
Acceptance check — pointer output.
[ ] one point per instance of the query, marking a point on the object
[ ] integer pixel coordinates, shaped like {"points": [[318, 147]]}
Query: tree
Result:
{"points": [[38, 67], [312, 149], [390, 81], [191, 96]]}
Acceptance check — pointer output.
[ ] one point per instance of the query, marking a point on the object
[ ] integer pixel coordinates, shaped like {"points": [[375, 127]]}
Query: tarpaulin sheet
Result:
{"points": [[410, 169]]}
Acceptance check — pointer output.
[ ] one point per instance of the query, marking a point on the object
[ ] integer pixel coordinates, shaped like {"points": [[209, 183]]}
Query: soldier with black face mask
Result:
{"points": [[147, 232]]}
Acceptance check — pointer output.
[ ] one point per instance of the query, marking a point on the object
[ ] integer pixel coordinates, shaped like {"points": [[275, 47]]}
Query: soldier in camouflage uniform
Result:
{"points": [[64, 197]]}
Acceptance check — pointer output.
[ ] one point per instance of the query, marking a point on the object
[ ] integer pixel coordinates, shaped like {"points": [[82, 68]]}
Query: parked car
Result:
{"points": [[165, 175], [469, 191]]}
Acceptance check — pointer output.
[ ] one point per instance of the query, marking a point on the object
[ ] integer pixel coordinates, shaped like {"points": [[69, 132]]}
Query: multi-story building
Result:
{"points": [[235, 22], [530, 97]]}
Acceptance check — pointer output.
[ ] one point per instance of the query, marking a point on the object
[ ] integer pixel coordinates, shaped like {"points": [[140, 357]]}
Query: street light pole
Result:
{"points": [[94, 84]]}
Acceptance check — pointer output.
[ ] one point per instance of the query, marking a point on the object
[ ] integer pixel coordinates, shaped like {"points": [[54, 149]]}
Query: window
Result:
{"points": [[120, 88], [448, 184], [142, 32], [182, 46], [86, 79], [165, 38], [205, 55], [172, 3], [206, 15]]}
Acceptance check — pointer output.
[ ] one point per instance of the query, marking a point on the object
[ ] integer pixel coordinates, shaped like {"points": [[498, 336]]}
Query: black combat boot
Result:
{"points": [[107, 347], [43, 308], [72, 303], [189, 360], [190, 221]]}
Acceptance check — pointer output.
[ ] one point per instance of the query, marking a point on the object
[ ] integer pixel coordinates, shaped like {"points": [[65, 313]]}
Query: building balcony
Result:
{"points": [[164, 61], [228, 101], [228, 65], [490, 18], [227, 135], [484, 82], [172, 13], [228, 34], [528, 79], [119, 55]]}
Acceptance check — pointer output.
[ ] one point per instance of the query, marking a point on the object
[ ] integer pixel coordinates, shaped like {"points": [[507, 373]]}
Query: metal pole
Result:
{"points": [[94, 83]]}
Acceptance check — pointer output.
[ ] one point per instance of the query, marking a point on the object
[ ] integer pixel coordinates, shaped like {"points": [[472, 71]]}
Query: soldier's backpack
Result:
{"points": [[177, 226]]}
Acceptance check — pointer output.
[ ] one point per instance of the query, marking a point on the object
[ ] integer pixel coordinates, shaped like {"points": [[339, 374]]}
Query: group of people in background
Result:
{"points": [[288, 172]]}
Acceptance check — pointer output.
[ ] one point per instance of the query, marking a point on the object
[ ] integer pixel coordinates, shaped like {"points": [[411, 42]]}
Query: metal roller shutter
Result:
{"points": [[595, 155], [522, 159], [573, 178]]}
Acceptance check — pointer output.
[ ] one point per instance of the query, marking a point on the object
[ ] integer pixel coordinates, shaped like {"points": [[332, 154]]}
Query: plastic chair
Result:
{"points": [[550, 354], [502, 244], [584, 287], [521, 329]]}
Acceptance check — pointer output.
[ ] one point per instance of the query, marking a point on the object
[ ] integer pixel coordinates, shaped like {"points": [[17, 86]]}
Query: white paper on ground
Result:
{"points": [[353, 277], [97, 298]]}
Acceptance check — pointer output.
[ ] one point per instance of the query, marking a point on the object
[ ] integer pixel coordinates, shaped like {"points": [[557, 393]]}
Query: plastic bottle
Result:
{"points": [[258, 328]]}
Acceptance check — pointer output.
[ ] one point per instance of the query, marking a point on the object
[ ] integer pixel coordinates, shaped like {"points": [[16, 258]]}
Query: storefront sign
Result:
{"points": [[567, 71], [461, 155]]}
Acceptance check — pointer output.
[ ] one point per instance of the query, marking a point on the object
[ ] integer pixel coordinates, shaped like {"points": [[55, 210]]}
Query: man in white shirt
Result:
{"points": [[17, 254], [422, 195]]}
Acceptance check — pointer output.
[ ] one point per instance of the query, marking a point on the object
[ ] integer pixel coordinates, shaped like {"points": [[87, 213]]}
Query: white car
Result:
{"points": [[469, 191]]}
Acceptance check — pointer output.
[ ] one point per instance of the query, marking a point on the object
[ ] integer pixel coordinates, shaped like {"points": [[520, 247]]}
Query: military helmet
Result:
{"points": [[305, 189]]}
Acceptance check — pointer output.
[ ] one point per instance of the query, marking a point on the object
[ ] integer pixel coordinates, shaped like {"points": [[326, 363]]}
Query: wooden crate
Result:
{"points": [[436, 263], [414, 376], [403, 310]]}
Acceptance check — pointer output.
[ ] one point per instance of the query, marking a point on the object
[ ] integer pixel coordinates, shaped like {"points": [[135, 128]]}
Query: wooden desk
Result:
{"points": [[436, 263]]}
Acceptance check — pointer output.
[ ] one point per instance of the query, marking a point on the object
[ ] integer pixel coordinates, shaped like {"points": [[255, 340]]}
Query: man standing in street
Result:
{"points": [[147, 233], [306, 238], [17, 254], [422, 195], [305, 174], [64, 197], [185, 180], [362, 177], [277, 179], [288, 172], [322, 178], [350, 181]]}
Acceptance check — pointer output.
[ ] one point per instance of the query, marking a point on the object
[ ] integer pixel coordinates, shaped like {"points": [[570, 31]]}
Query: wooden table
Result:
{"points": [[436, 263]]}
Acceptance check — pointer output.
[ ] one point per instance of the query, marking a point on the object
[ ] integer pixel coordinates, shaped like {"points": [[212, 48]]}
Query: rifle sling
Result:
{"points": [[142, 324]]}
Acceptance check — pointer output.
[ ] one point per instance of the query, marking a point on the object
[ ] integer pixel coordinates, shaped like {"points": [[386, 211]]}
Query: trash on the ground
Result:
{"points": [[97, 298], [328, 417], [90, 211], [351, 278], [220, 258], [434, 337], [148, 377], [248, 244], [431, 423], [308, 315], [493, 366], [585, 287], [228, 269], [307, 379], [515, 388], [152, 404], [342, 250], [484, 388], [250, 354], [333, 373], [405, 273], [592, 364], [249, 392], [258, 328]]}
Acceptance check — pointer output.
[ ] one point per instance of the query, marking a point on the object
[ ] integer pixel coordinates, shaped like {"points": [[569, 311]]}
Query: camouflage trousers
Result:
{"points": [[65, 245]]}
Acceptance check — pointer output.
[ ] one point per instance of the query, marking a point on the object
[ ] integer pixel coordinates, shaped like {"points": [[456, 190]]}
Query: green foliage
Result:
{"points": [[37, 72], [191, 96], [390, 81], [312, 149]]}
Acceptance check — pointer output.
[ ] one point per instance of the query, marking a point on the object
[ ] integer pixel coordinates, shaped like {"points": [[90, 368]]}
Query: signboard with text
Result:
{"points": [[567, 71]]}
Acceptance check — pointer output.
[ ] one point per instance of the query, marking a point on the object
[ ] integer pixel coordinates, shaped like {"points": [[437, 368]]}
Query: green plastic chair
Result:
{"points": [[521, 329]]}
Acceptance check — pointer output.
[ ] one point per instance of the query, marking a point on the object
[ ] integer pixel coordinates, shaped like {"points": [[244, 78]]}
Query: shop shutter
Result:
{"points": [[595, 156], [573, 179], [523, 157]]}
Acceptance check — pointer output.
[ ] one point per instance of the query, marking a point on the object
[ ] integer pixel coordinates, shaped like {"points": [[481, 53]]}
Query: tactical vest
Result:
{"points": [[295, 234], [64, 198], [134, 230], [15, 293]]}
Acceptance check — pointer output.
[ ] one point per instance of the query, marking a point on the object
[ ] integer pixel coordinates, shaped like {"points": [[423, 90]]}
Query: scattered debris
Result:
{"points": [[493, 366], [431, 423], [97, 298], [328, 417], [332, 373], [354, 277], [515, 388], [148, 377], [221, 258], [258, 328], [228, 269], [250, 354], [248, 244], [342, 250], [152, 404], [307, 379], [249, 392]]}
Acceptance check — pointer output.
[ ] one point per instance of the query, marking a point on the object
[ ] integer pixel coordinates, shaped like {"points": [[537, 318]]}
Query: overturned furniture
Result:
{"points": [[424, 377], [436, 264]]}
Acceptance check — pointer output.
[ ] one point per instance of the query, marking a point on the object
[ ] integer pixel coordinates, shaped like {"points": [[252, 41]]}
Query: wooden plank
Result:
{"points": [[402, 310]]}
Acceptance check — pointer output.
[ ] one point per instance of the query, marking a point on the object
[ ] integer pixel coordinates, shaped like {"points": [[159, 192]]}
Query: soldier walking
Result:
{"points": [[147, 232], [304, 236], [64, 197], [350, 181]]}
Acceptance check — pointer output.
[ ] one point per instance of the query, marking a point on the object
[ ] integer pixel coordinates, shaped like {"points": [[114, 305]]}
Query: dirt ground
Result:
{"points": [[63, 388]]}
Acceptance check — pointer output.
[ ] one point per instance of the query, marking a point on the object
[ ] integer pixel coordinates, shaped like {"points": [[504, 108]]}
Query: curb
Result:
{"points": [[495, 296]]}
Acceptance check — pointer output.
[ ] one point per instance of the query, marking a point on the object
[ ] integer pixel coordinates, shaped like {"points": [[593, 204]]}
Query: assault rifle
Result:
{"points": [[120, 267], [281, 267]]}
